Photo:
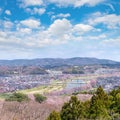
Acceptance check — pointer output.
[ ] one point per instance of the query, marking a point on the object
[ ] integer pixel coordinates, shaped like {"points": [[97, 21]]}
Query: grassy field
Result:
{"points": [[54, 86], [4, 95]]}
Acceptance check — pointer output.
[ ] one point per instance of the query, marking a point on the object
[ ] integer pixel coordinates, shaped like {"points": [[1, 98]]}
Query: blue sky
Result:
{"points": [[59, 29]]}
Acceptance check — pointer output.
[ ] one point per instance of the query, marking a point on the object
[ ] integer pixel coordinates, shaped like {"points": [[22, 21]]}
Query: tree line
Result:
{"points": [[102, 106]]}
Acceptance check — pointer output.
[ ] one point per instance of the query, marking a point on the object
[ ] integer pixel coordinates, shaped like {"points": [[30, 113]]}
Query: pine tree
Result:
{"points": [[73, 110], [115, 100], [101, 95], [54, 116], [86, 106], [99, 105]]}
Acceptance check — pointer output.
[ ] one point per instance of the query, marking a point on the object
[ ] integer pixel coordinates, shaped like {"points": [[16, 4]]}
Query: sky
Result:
{"points": [[59, 29]]}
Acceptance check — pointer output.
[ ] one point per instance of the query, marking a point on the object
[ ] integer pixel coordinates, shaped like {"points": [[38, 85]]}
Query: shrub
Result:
{"points": [[39, 98], [17, 97], [54, 116]]}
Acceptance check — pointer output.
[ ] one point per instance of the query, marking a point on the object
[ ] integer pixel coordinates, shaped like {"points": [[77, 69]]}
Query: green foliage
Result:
{"points": [[103, 97], [39, 98], [98, 109], [17, 97], [72, 110], [101, 107], [115, 101], [114, 92], [74, 70], [75, 93], [54, 116], [86, 107], [5, 95]]}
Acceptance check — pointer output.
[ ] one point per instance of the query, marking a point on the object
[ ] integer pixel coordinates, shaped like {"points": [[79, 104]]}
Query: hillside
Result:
{"points": [[32, 110], [51, 62]]}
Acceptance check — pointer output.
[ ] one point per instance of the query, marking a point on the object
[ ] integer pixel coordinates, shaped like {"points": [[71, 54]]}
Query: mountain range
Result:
{"points": [[44, 62]]}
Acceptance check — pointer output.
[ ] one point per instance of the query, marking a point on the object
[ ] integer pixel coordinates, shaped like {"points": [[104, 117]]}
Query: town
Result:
{"points": [[108, 78]]}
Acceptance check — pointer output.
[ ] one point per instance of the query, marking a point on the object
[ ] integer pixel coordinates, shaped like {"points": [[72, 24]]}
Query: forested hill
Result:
{"points": [[78, 61]]}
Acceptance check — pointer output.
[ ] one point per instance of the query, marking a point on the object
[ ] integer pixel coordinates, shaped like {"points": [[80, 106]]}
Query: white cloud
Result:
{"points": [[50, 13], [36, 10], [25, 30], [39, 10], [60, 27], [95, 15], [26, 3], [87, 2], [7, 24], [61, 31], [3, 34], [81, 28], [76, 3], [110, 20], [111, 6], [98, 37], [25, 37], [31, 23], [64, 3], [113, 42], [8, 12], [61, 15]]}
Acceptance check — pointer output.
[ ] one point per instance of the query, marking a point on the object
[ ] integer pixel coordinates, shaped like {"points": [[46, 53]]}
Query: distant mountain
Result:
{"points": [[51, 62]]}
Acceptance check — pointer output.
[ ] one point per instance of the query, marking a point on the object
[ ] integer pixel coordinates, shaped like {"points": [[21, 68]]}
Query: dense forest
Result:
{"points": [[102, 106]]}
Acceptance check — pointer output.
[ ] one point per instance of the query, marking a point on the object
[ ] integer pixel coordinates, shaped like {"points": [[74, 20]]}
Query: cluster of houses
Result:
{"points": [[109, 83], [109, 80], [20, 82]]}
